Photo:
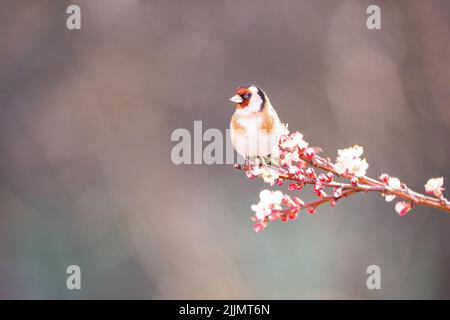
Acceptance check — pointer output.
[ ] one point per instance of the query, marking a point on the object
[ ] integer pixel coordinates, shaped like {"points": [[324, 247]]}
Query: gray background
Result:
{"points": [[85, 124]]}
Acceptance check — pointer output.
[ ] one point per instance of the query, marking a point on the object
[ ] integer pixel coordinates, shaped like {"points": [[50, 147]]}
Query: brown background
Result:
{"points": [[85, 124]]}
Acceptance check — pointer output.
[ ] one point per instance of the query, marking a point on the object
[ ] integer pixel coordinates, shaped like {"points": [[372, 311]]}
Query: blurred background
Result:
{"points": [[86, 176]]}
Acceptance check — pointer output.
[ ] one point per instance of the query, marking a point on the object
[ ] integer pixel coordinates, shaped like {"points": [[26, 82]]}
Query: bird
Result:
{"points": [[255, 128]]}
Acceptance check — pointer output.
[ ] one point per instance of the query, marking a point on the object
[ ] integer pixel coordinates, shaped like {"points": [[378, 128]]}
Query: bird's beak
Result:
{"points": [[236, 99]]}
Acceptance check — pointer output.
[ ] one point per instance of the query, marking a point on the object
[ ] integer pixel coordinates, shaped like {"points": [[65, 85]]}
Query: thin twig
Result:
{"points": [[365, 184]]}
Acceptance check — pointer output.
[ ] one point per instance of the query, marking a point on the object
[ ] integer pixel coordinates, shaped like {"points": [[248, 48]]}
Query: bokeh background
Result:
{"points": [[86, 176]]}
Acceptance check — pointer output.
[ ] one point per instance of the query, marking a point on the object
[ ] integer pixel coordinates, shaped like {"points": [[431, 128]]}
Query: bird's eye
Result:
{"points": [[246, 96]]}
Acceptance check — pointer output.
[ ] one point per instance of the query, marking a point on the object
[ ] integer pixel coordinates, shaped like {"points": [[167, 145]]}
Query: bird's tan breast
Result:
{"points": [[237, 126], [268, 122], [264, 121]]}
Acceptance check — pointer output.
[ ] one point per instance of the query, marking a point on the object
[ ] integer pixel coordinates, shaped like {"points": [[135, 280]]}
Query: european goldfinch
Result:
{"points": [[255, 128]]}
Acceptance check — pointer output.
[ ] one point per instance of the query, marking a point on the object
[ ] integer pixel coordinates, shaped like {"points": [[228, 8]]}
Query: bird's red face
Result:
{"points": [[242, 97]]}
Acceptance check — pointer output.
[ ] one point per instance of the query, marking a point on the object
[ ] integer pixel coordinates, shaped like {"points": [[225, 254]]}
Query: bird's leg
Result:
{"points": [[270, 159], [263, 161]]}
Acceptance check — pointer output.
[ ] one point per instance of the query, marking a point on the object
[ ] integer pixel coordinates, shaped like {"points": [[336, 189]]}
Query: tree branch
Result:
{"points": [[296, 156]]}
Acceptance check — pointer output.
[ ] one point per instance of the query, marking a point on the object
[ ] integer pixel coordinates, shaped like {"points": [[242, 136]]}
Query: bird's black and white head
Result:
{"points": [[249, 99]]}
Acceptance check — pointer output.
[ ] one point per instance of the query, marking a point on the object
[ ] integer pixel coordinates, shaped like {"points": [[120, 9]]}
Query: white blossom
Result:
{"points": [[269, 200], [435, 186], [349, 161], [394, 183], [294, 140], [269, 176]]}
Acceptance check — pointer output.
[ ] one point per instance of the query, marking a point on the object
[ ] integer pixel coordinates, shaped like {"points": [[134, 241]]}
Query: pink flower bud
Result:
{"points": [[293, 214], [317, 187], [322, 178], [292, 186], [311, 210], [284, 218], [310, 153], [330, 176], [279, 182], [354, 181], [384, 178], [301, 178], [311, 173], [292, 170], [333, 203], [258, 227], [402, 207], [337, 193]]}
